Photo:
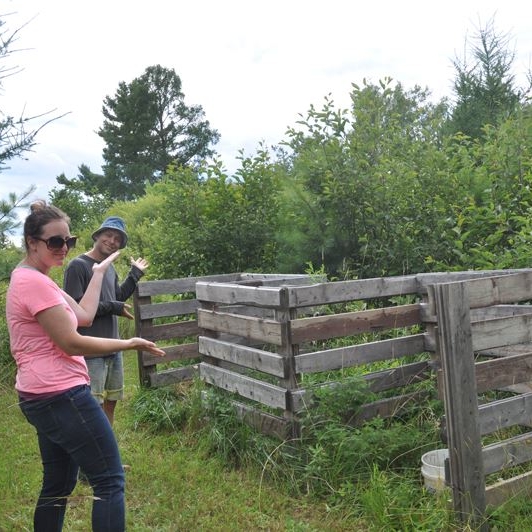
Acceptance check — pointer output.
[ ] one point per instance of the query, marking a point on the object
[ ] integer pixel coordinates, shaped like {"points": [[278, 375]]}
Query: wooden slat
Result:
{"points": [[262, 392], [168, 309], [500, 289], [351, 323], [232, 294], [499, 311], [428, 280], [180, 286], [170, 331], [341, 291], [273, 279], [508, 453], [258, 329], [505, 413], [264, 422], [173, 375], [400, 376], [386, 408], [501, 332], [519, 486], [173, 353], [344, 357], [507, 350], [503, 372], [248, 357]]}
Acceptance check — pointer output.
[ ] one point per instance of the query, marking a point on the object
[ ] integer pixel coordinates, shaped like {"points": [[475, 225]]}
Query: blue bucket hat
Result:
{"points": [[116, 223]]}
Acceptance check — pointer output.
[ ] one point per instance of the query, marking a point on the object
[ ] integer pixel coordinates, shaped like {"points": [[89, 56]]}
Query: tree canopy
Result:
{"points": [[484, 86], [147, 125]]}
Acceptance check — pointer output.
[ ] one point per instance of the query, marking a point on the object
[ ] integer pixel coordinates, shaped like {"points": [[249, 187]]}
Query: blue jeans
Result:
{"points": [[74, 432]]}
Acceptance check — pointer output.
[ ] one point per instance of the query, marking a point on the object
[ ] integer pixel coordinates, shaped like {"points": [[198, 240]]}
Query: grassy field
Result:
{"points": [[171, 486], [176, 484]]}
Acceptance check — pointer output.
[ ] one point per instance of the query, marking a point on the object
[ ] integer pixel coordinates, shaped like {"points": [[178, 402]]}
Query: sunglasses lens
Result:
{"points": [[55, 242]]}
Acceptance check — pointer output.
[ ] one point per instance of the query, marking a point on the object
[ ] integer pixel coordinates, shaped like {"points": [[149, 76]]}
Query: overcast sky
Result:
{"points": [[253, 66]]}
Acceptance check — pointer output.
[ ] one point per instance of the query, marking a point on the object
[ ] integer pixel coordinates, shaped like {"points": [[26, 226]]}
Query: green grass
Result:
{"points": [[173, 485], [188, 476]]}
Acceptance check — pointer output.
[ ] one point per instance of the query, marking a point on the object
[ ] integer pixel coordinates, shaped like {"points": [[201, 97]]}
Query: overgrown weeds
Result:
{"points": [[370, 473]]}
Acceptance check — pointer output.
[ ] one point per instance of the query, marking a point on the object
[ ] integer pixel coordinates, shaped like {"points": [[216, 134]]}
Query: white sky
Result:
{"points": [[253, 66]]}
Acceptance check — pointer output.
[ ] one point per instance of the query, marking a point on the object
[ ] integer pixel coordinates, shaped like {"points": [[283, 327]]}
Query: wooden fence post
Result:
{"points": [[284, 315], [461, 404], [144, 371]]}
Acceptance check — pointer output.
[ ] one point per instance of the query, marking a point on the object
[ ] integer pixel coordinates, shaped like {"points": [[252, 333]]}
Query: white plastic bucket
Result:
{"points": [[433, 469]]}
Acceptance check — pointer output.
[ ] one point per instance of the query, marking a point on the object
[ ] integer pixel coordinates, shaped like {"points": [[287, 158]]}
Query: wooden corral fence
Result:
{"points": [[258, 337], [165, 311], [266, 364], [485, 342]]}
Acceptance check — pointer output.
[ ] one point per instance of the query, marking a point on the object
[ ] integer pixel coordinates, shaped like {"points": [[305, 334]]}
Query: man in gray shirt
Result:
{"points": [[106, 372]]}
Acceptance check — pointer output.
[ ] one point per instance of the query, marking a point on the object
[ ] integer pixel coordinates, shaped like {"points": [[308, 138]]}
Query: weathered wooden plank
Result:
{"points": [[501, 332], [499, 311], [398, 377], [248, 357], [180, 286], [504, 413], [386, 408], [502, 372], [277, 277], [168, 309], [232, 294], [507, 350], [173, 375], [248, 310], [460, 398], [273, 279], [174, 352], [264, 422], [504, 490], [508, 453], [262, 392], [170, 331], [350, 323], [268, 331], [500, 289], [341, 291], [343, 357], [427, 279]]}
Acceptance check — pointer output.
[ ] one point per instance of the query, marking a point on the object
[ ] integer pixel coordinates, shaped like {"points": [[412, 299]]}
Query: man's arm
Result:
{"points": [[125, 290]]}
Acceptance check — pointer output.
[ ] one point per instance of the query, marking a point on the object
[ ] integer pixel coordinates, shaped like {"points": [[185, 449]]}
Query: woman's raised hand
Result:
{"points": [[102, 266]]}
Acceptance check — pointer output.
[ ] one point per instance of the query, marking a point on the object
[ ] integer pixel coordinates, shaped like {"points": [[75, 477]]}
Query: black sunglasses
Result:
{"points": [[57, 242]]}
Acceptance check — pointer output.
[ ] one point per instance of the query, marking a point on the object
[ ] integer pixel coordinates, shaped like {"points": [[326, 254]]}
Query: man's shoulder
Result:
{"points": [[82, 260]]}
